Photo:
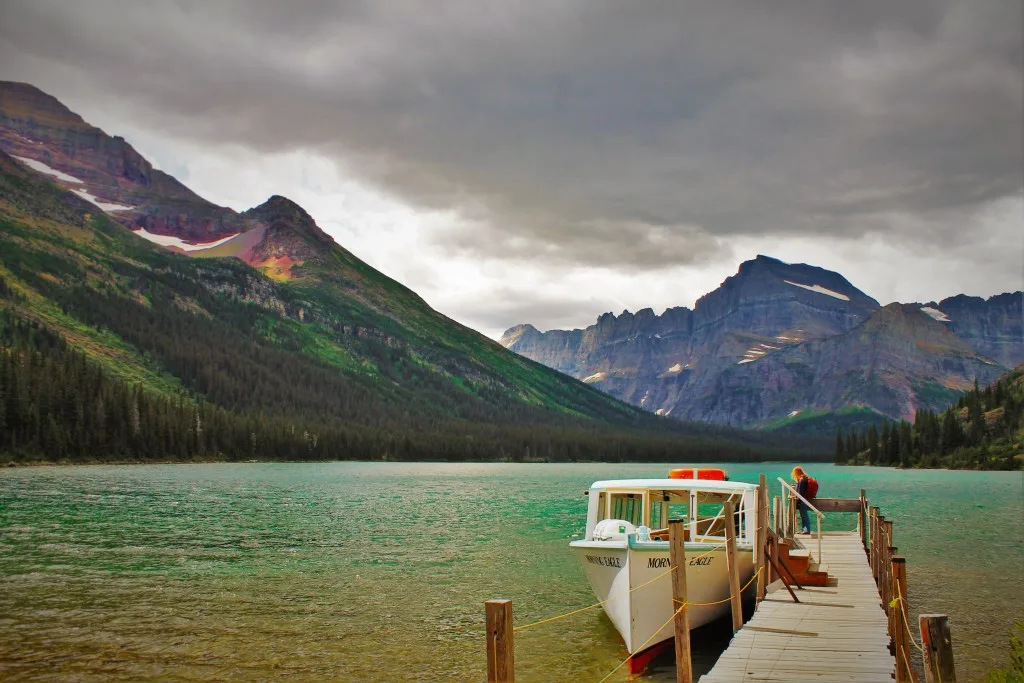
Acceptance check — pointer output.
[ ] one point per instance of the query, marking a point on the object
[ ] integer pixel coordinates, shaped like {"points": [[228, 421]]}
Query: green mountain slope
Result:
{"points": [[322, 357], [984, 429]]}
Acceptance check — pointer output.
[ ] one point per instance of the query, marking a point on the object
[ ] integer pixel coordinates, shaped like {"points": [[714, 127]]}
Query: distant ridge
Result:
{"points": [[788, 346]]}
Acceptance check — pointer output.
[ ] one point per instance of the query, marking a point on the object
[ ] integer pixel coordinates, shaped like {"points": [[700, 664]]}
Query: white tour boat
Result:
{"points": [[625, 552]]}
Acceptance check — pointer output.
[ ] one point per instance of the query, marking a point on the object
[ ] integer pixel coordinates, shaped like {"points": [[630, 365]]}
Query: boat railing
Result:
{"points": [[819, 515]]}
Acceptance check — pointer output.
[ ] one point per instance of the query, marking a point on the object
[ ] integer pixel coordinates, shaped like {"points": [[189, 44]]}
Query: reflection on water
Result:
{"points": [[378, 572]]}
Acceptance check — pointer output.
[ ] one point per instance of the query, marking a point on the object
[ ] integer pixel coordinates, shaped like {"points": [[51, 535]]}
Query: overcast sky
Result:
{"points": [[545, 162]]}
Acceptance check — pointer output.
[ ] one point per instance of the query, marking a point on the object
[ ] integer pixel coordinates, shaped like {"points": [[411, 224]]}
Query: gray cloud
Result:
{"points": [[637, 135], [542, 309]]}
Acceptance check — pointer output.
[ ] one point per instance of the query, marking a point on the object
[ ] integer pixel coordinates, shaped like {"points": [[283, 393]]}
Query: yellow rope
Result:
{"points": [[905, 619], [614, 597], [719, 602], [681, 608], [609, 674]]}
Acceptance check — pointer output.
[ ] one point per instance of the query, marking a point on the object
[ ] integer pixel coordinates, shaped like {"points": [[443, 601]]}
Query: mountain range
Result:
{"points": [[254, 334], [789, 346]]}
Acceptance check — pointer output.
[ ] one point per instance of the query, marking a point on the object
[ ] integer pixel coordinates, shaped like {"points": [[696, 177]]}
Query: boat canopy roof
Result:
{"points": [[672, 484]]}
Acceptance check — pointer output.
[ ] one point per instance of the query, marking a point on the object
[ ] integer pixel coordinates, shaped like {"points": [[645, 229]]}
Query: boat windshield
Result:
{"points": [[703, 511]]}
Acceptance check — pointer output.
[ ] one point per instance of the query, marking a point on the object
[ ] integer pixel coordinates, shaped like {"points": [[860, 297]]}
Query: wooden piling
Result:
{"points": [[874, 541], [762, 536], [884, 565], [938, 649], [862, 519], [777, 514], [500, 645], [677, 557], [872, 537], [775, 558], [734, 570], [791, 519], [777, 510], [890, 594], [904, 674]]}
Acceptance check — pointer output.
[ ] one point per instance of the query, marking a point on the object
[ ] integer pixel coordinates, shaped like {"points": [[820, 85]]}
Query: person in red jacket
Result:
{"points": [[802, 481]]}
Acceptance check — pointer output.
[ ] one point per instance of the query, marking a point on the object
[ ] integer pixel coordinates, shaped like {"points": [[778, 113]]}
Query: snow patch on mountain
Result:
{"points": [[169, 241], [757, 352], [43, 168], [596, 377], [106, 206], [936, 314], [819, 289]]}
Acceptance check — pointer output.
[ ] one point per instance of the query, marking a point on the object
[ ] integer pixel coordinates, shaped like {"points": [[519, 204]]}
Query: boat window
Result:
{"points": [[666, 505], [628, 506], [711, 512], [656, 513]]}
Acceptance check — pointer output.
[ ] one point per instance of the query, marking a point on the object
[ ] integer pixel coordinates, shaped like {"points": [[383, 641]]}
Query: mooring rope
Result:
{"points": [[674, 614], [614, 597]]}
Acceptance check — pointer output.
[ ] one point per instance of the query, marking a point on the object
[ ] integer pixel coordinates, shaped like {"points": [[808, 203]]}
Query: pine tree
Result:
{"points": [[906, 446], [883, 451]]}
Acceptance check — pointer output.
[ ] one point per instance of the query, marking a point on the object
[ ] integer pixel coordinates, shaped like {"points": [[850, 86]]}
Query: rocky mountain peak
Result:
{"points": [[290, 237], [277, 205], [22, 101], [282, 214], [759, 262], [515, 334], [106, 171]]}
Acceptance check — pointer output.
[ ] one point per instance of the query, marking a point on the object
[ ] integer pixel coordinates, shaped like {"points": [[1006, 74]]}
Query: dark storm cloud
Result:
{"points": [[635, 134]]}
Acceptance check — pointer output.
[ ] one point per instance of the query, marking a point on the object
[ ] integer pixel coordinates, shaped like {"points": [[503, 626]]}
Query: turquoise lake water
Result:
{"points": [[378, 571]]}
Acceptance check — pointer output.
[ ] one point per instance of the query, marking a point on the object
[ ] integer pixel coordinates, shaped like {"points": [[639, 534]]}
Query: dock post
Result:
{"points": [[777, 514], [500, 645], [677, 557], [883, 544], [901, 631], [791, 519], [734, 570], [862, 520], [890, 593], [874, 541], [774, 559], [938, 649], [884, 564], [777, 510], [762, 536]]}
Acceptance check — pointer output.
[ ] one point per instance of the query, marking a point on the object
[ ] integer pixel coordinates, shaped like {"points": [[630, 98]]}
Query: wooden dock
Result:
{"points": [[845, 622], [837, 633]]}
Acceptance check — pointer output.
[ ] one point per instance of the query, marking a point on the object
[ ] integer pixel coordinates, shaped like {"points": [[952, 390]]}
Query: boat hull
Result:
{"points": [[634, 581]]}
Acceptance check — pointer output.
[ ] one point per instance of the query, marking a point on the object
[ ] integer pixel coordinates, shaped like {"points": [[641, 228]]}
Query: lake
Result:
{"points": [[378, 571]]}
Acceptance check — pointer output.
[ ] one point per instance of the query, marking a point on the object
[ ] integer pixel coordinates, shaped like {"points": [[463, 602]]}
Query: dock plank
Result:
{"points": [[836, 634]]}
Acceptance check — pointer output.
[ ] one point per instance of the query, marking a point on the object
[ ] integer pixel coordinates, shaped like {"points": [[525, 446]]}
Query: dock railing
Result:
{"points": [[790, 521], [887, 568]]}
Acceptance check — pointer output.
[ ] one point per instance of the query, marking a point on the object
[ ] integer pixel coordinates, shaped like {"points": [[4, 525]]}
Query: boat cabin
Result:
{"points": [[652, 503]]}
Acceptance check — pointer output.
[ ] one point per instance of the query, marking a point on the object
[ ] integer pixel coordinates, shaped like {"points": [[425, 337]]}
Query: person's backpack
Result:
{"points": [[812, 488]]}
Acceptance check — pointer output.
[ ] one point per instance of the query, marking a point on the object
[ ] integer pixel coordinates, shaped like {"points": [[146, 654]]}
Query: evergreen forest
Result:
{"points": [[984, 430]]}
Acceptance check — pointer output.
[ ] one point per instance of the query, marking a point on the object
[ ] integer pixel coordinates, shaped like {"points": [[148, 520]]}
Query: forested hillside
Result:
{"points": [[113, 348], [983, 430]]}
